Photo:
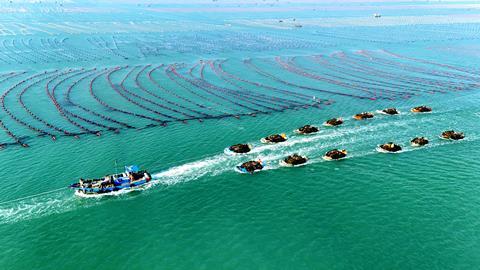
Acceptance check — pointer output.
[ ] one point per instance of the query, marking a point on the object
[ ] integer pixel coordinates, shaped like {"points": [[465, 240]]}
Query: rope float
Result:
{"points": [[36, 117], [142, 88], [407, 80], [249, 63], [104, 104], [172, 93], [289, 103], [70, 101], [18, 120], [283, 91], [117, 90], [205, 89]]}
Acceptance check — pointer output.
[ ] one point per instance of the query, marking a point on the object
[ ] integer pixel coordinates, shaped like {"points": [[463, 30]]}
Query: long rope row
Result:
{"points": [[10, 133], [288, 102], [170, 72], [117, 90], [464, 70], [286, 66], [144, 89], [122, 86], [440, 74], [249, 63], [69, 100], [34, 83], [279, 90], [381, 89], [38, 118], [423, 85], [436, 84], [211, 90], [363, 75], [172, 93], [107, 106], [248, 98], [66, 113]]}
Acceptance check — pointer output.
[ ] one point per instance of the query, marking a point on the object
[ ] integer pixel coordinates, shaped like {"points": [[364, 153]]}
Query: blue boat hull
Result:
{"points": [[104, 190], [110, 184]]}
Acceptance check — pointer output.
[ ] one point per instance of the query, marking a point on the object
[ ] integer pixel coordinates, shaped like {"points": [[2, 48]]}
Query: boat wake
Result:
{"points": [[359, 139], [39, 206]]}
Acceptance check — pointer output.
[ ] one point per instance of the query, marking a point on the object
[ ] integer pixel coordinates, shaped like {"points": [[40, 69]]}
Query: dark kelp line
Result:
{"points": [[354, 69], [163, 99], [271, 99], [377, 89], [145, 96], [92, 112], [248, 62], [47, 75], [359, 74]]}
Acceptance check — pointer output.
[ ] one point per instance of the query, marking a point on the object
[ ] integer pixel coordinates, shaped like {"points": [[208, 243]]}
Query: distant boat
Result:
{"points": [[377, 15]]}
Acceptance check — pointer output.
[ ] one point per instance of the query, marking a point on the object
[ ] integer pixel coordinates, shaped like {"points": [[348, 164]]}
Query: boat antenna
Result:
{"points": [[116, 167]]}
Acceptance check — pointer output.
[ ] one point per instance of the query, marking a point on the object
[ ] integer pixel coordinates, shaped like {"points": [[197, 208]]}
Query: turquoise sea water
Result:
{"points": [[413, 210]]}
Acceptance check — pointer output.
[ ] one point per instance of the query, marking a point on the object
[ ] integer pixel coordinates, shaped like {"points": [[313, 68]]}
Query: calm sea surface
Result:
{"points": [[417, 209]]}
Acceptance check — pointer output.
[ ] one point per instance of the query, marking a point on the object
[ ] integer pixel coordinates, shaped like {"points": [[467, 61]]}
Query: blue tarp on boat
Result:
{"points": [[132, 168]]}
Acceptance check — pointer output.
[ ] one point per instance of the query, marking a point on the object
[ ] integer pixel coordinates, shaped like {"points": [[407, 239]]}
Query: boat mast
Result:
{"points": [[116, 167]]}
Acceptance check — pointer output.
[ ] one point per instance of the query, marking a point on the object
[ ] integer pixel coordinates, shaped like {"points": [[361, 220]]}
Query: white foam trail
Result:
{"points": [[271, 153], [358, 139], [37, 207], [193, 170]]}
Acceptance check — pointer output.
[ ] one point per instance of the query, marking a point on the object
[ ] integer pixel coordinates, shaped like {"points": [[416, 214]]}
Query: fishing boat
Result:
{"points": [[133, 178]]}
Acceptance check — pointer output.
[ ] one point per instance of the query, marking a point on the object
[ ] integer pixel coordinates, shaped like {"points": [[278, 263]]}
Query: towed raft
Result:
{"points": [[333, 122], [131, 179], [389, 148], [307, 129], [294, 160], [363, 116], [389, 111], [452, 135], [239, 149], [419, 141], [275, 138], [335, 154], [421, 109], [250, 167]]}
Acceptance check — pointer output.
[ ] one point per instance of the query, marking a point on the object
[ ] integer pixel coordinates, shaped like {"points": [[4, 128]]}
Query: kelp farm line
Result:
{"points": [[90, 101], [20, 51]]}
